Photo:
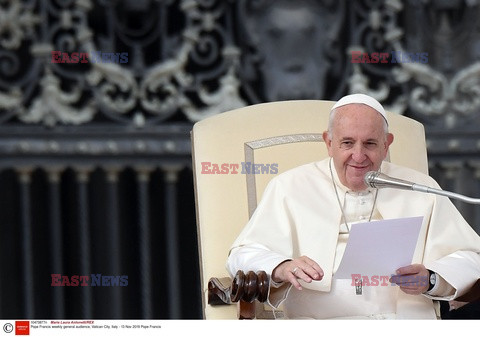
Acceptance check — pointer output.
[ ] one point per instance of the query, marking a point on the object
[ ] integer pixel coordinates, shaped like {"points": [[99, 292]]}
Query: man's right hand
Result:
{"points": [[302, 268]]}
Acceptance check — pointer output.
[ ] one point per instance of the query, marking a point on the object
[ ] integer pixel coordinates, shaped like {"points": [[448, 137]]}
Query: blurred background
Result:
{"points": [[95, 157]]}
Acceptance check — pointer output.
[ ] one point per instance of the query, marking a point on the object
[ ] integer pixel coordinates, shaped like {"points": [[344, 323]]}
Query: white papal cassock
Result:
{"points": [[299, 214]]}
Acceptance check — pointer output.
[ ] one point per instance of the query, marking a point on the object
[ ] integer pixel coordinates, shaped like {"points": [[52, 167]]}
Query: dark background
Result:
{"points": [[95, 159]]}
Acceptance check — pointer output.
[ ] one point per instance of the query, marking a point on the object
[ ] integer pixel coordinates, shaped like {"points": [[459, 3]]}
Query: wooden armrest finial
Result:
{"points": [[244, 287]]}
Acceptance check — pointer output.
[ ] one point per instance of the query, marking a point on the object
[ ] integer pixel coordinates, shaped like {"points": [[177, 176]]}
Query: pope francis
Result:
{"points": [[300, 229]]}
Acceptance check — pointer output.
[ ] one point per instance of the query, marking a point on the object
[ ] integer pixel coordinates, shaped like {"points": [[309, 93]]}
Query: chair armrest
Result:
{"points": [[219, 291], [244, 287]]}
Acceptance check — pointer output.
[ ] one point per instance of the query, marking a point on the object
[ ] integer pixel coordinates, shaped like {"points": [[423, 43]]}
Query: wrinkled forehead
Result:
{"points": [[357, 116], [357, 121]]}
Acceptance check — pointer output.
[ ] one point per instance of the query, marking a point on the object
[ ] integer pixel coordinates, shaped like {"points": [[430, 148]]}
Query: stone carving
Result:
{"points": [[54, 105], [447, 85], [180, 60], [190, 59], [17, 23], [294, 46]]}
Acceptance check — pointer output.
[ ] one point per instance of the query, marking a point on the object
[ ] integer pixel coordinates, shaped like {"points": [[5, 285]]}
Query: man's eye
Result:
{"points": [[346, 144], [371, 145]]}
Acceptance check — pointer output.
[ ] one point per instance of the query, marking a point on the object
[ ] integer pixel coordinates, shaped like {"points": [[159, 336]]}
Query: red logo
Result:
{"points": [[22, 328]]}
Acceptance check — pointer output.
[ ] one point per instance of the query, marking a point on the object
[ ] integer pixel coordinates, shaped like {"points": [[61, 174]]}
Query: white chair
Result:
{"points": [[287, 134]]}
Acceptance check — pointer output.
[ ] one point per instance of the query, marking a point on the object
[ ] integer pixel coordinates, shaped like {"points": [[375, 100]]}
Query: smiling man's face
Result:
{"points": [[358, 144]]}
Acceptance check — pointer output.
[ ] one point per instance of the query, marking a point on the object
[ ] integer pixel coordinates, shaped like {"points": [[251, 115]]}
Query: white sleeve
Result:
{"points": [[460, 270], [441, 289], [253, 257]]}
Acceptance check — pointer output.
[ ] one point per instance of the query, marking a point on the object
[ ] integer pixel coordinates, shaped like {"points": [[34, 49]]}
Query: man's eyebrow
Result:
{"points": [[369, 140]]}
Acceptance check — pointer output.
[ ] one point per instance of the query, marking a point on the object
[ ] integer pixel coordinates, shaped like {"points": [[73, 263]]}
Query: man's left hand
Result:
{"points": [[412, 279]]}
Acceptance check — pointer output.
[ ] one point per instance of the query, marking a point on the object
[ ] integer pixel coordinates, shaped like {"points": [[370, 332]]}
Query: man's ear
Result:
{"points": [[389, 139], [328, 141], [325, 137]]}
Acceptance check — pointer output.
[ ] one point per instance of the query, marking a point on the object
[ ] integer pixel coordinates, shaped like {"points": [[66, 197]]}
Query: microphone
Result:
{"points": [[377, 180]]}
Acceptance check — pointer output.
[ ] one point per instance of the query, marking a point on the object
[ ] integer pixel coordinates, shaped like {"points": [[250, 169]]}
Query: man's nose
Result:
{"points": [[359, 154]]}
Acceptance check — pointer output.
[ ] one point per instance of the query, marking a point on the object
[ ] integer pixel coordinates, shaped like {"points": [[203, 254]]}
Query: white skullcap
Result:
{"points": [[361, 99]]}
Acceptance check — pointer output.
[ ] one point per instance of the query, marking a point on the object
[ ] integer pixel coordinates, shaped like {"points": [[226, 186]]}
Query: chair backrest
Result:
{"points": [[274, 137]]}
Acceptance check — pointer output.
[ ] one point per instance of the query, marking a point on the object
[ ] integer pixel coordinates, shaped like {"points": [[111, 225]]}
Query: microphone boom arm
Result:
{"points": [[380, 180], [426, 189]]}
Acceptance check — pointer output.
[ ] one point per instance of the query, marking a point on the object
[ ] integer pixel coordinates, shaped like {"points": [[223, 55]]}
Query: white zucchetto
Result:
{"points": [[361, 99]]}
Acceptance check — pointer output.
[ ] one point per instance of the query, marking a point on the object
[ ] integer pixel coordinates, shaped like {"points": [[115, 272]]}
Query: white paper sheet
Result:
{"points": [[379, 247]]}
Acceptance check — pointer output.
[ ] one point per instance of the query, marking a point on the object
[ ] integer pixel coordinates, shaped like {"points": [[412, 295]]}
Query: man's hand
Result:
{"points": [[302, 268], [413, 279]]}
